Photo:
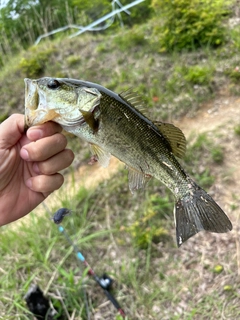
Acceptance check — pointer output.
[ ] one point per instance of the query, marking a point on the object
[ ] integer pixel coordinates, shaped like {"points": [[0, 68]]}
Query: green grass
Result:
{"points": [[131, 237], [115, 232]]}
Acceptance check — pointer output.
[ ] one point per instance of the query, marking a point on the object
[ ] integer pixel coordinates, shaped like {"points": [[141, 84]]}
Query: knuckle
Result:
{"points": [[70, 155], [34, 150], [60, 140], [45, 183]]}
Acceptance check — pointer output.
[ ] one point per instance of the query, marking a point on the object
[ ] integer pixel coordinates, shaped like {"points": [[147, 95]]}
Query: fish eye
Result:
{"points": [[53, 84]]}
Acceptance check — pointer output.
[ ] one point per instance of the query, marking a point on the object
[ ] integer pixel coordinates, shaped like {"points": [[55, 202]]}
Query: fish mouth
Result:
{"points": [[36, 111], [39, 108]]}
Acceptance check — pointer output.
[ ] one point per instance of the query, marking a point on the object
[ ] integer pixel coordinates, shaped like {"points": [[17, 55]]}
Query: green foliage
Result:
{"points": [[188, 24], [132, 38], [34, 18], [73, 60], [152, 227], [205, 178], [233, 74], [199, 74], [217, 154], [139, 14], [3, 117], [202, 145], [235, 37], [237, 130], [209, 152], [33, 65], [88, 11]]}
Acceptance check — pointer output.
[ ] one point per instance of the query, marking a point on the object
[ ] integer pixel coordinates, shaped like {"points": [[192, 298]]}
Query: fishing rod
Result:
{"points": [[105, 282]]}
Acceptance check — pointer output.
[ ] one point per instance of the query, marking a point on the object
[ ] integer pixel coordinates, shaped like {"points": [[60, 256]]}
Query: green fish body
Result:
{"points": [[114, 125]]}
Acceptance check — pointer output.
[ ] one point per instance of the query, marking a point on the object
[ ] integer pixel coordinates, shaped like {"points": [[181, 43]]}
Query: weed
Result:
{"points": [[209, 152], [234, 74], [235, 38], [31, 67], [3, 117], [217, 153], [237, 130], [132, 38], [205, 178], [199, 74], [190, 25], [73, 60], [34, 65]]}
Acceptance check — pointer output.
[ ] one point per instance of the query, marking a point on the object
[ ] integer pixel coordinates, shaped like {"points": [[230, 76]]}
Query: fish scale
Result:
{"points": [[146, 147], [113, 124]]}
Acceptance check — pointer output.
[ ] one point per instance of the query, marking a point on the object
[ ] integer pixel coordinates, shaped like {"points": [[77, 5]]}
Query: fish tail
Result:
{"points": [[197, 211]]}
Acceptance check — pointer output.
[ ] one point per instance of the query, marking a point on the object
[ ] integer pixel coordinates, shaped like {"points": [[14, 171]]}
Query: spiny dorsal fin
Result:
{"points": [[174, 136], [134, 99], [103, 157], [137, 179]]}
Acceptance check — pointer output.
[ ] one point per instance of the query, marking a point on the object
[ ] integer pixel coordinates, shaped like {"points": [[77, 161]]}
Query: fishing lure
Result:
{"points": [[60, 214]]}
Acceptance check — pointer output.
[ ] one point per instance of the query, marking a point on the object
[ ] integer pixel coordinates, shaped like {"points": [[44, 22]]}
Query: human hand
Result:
{"points": [[29, 165]]}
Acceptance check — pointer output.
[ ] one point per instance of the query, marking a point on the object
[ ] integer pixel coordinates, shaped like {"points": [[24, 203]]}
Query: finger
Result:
{"points": [[11, 130], [45, 148], [45, 184], [54, 164], [44, 130]]}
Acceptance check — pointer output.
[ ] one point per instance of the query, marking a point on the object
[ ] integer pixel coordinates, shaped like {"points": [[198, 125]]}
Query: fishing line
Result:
{"points": [[105, 281]]}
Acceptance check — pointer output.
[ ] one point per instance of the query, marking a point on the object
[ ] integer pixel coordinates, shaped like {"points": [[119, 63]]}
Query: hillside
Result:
{"points": [[132, 237]]}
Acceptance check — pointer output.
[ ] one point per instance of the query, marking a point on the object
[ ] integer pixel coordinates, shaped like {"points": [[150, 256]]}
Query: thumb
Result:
{"points": [[11, 130]]}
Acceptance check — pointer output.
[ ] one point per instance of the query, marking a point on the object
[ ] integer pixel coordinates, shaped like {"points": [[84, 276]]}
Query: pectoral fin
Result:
{"points": [[90, 120], [102, 156], [174, 136]]}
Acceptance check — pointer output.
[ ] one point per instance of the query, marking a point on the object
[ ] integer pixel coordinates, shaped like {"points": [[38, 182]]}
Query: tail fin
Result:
{"points": [[198, 211]]}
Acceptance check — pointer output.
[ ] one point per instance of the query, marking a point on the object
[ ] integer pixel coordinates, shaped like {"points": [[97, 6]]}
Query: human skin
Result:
{"points": [[29, 165]]}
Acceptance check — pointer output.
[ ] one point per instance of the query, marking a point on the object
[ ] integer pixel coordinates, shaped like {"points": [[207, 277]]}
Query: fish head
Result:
{"points": [[58, 100]]}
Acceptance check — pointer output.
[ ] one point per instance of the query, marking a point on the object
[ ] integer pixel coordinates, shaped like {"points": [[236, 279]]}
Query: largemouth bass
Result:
{"points": [[113, 124]]}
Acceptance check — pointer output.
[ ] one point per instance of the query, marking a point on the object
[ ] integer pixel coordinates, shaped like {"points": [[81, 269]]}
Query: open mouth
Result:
{"points": [[36, 111], [40, 107]]}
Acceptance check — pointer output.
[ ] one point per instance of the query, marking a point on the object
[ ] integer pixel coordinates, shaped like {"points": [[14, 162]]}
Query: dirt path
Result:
{"points": [[220, 117]]}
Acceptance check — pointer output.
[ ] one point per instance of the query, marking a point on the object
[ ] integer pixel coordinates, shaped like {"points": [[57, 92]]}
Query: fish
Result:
{"points": [[116, 125]]}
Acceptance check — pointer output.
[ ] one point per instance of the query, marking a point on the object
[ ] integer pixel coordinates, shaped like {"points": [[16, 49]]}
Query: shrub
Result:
{"points": [[132, 38], [199, 74], [34, 62], [31, 67], [191, 24]]}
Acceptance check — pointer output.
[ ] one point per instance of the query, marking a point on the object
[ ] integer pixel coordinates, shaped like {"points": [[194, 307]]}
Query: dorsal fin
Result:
{"points": [[174, 136], [133, 98]]}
